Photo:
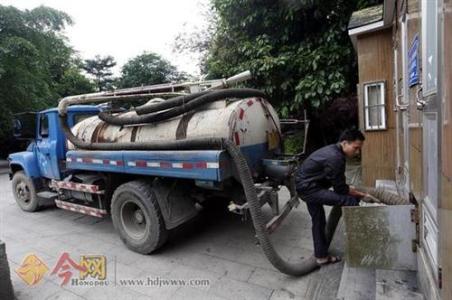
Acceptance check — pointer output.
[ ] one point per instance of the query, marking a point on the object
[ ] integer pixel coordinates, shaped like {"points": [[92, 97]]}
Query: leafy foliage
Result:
{"points": [[298, 51], [148, 68], [100, 68], [293, 144], [37, 67]]}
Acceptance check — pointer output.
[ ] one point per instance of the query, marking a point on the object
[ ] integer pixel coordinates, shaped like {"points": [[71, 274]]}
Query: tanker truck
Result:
{"points": [[154, 166]]}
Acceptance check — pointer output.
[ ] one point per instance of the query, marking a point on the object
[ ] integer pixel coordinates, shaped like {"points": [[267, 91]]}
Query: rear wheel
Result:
{"points": [[25, 192], [137, 217]]}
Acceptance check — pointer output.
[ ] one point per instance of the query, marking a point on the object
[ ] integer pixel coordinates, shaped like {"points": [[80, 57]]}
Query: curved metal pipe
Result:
{"points": [[103, 97]]}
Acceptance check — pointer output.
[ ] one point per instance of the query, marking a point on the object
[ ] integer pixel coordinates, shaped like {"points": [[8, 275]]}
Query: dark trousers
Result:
{"points": [[315, 200]]}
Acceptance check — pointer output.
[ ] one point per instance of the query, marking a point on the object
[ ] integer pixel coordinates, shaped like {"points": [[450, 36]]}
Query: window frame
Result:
{"points": [[366, 106], [44, 119], [81, 116], [427, 91]]}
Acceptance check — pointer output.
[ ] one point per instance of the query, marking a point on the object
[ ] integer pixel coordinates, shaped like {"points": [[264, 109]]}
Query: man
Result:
{"points": [[323, 169]]}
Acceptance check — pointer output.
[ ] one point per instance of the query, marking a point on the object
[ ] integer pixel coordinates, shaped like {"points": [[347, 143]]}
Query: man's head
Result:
{"points": [[351, 141]]}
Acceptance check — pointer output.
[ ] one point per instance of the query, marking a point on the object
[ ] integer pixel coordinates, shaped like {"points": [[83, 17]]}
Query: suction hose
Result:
{"points": [[295, 269], [176, 101], [181, 109], [383, 196]]}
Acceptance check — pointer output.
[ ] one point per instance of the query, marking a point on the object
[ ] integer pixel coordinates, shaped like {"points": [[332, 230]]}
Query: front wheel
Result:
{"points": [[25, 192], [137, 217]]}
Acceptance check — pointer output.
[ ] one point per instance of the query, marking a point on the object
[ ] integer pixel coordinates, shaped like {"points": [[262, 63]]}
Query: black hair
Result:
{"points": [[351, 135]]}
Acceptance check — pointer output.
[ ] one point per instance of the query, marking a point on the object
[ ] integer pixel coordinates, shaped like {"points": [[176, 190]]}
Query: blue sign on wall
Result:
{"points": [[413, 62]]}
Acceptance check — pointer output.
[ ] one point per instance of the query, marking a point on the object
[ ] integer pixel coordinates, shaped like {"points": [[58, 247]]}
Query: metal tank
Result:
{"points": [[251, 123]]}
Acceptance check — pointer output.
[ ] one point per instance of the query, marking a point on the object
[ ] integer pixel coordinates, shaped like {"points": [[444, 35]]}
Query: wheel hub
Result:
{"points": [[22, 192], [133, 220], [139, 217]]}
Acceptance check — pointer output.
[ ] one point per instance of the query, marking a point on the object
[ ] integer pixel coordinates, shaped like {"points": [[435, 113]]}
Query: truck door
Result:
{"points": [[44, 150]]}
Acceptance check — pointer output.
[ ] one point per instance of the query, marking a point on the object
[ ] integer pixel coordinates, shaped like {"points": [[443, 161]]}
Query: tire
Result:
{"points": [[137, 217], [24, 192]]}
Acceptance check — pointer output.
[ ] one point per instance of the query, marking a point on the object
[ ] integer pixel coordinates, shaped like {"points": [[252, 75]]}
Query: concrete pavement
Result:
{"points": [[4, 166], [216, 249]]}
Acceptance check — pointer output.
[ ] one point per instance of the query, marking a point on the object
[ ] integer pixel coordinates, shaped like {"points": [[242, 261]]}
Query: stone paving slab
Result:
{"points": [[216, 246]]}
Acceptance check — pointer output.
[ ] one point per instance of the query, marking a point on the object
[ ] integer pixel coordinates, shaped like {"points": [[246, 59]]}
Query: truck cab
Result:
{"points": [[44, 158]]}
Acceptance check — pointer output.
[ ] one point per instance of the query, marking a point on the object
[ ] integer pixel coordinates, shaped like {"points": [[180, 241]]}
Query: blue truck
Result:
{"points": [[151, 173]]}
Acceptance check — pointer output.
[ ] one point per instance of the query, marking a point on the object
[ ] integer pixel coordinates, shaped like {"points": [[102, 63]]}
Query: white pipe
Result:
{"points": [[122, 94]]}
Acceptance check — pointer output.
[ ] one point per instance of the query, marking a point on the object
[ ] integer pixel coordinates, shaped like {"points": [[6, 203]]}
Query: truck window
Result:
{"points": [[25, 125], [43, 126], [80, 117]]}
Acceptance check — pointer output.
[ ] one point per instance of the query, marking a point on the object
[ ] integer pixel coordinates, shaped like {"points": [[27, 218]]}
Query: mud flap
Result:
{"points": [[174, 201]]}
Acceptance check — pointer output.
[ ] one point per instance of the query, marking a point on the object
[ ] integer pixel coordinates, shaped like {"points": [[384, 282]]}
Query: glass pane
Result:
{"points": [[80, 117], [375, 116], [373, 93], [430, 37], [44, 128], [379, 98]]}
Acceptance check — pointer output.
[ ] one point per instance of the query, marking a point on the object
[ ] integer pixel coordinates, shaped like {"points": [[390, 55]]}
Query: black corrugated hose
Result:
{"points": [[170, 103], [162, 115], [382, 196], [294, 269]]}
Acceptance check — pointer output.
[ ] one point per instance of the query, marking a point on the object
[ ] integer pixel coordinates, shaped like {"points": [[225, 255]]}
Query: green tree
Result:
{"points": [[37, 67], [73, 82], [148, 68], [298, 51], [100, 68]]}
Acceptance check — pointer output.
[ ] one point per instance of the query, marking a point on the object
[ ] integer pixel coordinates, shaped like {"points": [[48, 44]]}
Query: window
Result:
{"points": [[80, 117], [429, 46], [44, 126], [374, 106]]}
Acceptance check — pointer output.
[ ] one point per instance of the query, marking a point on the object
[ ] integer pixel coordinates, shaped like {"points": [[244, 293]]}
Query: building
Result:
{"points": [[404, 51]]}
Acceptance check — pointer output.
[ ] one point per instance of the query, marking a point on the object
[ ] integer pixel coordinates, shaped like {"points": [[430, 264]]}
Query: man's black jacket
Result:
{"points": [[323, 169]]}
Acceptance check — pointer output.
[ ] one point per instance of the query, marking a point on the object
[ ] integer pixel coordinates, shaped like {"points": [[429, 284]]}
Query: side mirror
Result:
{"points": [[44, 132], [17, 127]]}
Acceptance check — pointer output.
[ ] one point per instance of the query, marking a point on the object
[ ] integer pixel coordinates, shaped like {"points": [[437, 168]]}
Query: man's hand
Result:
{"points": [[370, 199], [355, 193]]}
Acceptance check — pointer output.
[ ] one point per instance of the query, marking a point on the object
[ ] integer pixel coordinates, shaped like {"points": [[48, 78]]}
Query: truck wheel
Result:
{"points": [[137, 217], [25, 192]]}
